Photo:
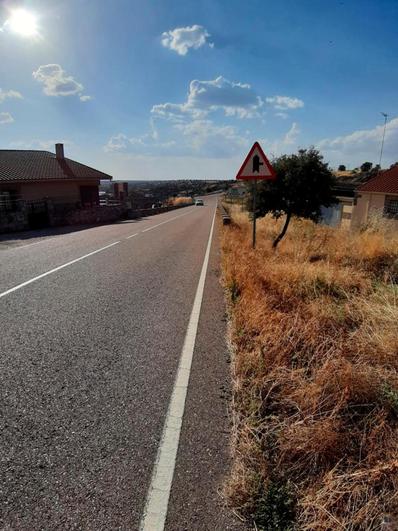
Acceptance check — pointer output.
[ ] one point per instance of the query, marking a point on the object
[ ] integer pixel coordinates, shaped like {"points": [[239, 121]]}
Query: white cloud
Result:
{"points": [[233, 98], [9, 94], [47, 145], [117, 143], [206, 138], [291, 136], [6, 118], [284, 103], [171, 111], [282, 115], [362, 145], [196, 138], [285, 145], [86, 98], [181, 40], [57, 83], [144, 143]]}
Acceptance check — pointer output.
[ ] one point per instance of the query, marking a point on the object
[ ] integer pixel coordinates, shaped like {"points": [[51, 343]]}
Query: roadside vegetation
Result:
{"points": [[179, 201], [303, 185], [314, 336]]}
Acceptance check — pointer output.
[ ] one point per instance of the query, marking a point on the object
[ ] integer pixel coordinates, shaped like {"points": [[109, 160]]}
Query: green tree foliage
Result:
{"points": [[366, 166], [374, 171], [303, 185], [341, 167]]}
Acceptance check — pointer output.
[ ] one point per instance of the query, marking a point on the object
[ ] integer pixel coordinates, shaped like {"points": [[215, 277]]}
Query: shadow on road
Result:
{"points": [[25, 236]]}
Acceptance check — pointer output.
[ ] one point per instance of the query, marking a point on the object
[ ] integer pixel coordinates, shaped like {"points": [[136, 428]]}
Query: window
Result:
{"points": [[391, 207]]}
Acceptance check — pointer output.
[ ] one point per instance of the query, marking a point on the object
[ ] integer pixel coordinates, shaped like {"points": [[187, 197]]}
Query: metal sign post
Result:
{"points": [[254, 212], [256, 166]]}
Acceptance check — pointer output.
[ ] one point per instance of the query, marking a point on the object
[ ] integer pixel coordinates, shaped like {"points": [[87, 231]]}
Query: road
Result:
{"points": [[93, 325]]}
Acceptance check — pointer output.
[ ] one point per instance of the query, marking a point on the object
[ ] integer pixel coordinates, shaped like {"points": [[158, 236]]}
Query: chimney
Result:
{"points": [[59, 151]]}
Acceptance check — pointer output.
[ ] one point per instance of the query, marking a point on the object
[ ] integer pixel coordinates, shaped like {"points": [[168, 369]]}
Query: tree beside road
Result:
{"points": [[304, 183]]}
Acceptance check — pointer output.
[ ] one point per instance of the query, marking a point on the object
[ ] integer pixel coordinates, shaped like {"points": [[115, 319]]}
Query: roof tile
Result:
{"points": [[384, 182], [31, 165]]}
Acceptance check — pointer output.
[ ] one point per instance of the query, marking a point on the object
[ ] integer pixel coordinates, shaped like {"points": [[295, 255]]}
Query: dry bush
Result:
{"points": [[179, 201], [314, 336]]}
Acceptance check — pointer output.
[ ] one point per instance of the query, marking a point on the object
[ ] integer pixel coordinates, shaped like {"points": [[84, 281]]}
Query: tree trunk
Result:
{"points": [[285, 226]]}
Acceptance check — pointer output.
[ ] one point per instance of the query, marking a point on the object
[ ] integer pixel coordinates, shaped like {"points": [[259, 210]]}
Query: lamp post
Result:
{"points": [[384, 134]]}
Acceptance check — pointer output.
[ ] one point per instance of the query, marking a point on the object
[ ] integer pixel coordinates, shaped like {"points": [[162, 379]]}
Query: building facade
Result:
{"points": [[37, 188], [378, 197]]}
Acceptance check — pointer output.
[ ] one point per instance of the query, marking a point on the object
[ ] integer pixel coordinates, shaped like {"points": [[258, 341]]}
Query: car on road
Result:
{"points": [[199, 202]]}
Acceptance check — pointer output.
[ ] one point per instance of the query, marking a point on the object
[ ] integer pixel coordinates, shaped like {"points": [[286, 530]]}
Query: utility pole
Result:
{"points": [[384, 134]]}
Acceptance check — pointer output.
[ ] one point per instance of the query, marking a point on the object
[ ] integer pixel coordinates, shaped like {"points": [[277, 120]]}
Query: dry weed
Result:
{"points": [[314, 330], [178, 201]]}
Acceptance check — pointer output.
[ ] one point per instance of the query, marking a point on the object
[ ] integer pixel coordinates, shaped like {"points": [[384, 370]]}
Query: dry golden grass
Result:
{"points": [[314, 333], [178, 201]]}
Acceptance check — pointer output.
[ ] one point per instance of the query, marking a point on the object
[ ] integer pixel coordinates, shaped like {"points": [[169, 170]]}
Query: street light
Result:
{"points": [[384, 134]]}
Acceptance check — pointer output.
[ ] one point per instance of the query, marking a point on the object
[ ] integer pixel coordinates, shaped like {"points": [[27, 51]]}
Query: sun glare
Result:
{"points": [[23, 22]]}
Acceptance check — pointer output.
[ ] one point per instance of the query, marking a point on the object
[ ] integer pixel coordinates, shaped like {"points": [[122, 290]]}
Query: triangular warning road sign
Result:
{"points": [[256, 165]]}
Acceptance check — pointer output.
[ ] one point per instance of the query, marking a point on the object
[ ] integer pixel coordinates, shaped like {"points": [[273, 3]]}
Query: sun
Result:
{"points": [[23, 22]]}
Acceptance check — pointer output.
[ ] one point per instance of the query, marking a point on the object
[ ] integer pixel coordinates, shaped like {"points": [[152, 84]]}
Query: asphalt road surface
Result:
{"points": [[93, 325]]}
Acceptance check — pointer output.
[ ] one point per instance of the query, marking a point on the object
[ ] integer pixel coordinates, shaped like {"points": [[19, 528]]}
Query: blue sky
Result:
{"points": [[181, 89]]}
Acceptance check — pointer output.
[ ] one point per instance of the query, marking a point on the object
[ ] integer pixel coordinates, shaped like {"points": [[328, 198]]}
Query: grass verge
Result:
{"points": [[314, 335]]}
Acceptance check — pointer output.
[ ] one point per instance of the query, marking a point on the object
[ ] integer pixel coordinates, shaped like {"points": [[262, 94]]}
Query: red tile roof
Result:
{"points": [[385, 182], [31, 165]]}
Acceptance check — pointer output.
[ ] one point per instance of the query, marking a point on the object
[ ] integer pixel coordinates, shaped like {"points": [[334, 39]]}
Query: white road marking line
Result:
{"points": [[15, 288], [163, 222], [132, 235], [156, 506]]}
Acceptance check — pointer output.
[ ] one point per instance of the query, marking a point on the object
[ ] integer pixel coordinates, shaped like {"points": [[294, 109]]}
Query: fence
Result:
{"points": [[20, 215], [10, 204]]}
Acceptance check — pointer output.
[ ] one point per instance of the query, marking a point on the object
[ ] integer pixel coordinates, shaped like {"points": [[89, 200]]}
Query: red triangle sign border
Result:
{"points": [[272, 175]]}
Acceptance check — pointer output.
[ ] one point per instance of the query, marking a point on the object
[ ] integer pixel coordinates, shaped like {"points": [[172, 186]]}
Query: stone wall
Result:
{"points": [[13, 221], [71, 214], [99, 214]]}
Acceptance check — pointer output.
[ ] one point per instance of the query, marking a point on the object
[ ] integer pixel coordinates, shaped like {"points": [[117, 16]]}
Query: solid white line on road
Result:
{"points": [[155, 513], [167, 221], [132, 235], [15, 288]]}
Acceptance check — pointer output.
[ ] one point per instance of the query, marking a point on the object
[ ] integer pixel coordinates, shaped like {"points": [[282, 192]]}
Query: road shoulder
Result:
{"points": [[204, 452]]}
